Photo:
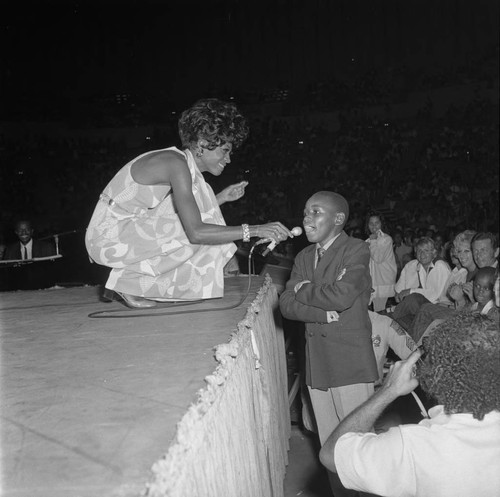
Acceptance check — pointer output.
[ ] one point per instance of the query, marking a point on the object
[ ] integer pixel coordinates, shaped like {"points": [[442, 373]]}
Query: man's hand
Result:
{"points": [[402, 294], [401, 379], [455, 292], [467, 288], [298, 286]]}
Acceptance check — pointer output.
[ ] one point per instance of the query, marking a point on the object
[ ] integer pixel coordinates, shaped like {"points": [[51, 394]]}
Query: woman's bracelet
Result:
{"points": [[245, 231]]}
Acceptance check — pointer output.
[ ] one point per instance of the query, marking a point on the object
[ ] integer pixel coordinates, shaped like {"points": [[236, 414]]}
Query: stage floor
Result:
{"points": [[88, 405]]}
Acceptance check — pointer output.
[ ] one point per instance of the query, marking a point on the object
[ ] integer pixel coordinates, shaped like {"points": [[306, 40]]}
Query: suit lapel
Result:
{"points": [[332, 251]]}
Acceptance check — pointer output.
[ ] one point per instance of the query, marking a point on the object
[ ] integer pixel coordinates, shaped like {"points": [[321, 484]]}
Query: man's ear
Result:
{"points": [[202, 143], [339, 218], [497, 251]]}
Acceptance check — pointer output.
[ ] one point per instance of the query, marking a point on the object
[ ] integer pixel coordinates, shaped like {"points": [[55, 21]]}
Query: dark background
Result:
{"points": [[86, 86], [54, 54]]}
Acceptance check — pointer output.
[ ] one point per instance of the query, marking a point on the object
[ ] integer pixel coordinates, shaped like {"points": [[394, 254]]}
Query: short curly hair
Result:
{"points": [[465, 237], [215, 121], [461, 369]]}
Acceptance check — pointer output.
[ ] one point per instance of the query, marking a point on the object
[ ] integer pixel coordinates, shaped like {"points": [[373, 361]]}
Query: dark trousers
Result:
{"points": [[405, 311]]}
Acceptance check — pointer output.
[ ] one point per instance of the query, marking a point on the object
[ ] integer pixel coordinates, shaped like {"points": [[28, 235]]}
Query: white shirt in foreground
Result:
{"points": [[445, 456]]}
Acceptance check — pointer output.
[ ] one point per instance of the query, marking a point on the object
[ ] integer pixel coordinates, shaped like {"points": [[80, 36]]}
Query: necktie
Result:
{"points": [[321, 253], [25, 252]]}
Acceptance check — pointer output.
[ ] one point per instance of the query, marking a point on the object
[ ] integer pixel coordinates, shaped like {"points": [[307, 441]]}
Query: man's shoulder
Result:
{"points": [[411, 264], [355, 242], [442, 265], [356, 247], [43, 248], [306, 251]]}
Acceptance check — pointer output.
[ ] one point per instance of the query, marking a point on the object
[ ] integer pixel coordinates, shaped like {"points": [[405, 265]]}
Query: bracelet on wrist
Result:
{"points": [[245, 231]]}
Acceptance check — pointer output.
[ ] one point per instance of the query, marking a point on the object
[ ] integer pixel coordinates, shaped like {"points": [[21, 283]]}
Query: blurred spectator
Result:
{"points": [[383, 268], [402, 251]]}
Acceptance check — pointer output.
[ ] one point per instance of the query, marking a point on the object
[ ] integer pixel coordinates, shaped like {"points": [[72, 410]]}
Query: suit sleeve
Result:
{"points": [[343, 289], [290, 307]]}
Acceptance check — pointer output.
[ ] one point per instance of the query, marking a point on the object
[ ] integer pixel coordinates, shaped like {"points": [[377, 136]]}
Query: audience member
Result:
{"points": [[460, 290], [454, 452], [402, 251], [329, 289], [440, 246], [484, 295], [383, 268], [388, 334], [27, 247], [453, 296], [422, 281], [485, 249]]}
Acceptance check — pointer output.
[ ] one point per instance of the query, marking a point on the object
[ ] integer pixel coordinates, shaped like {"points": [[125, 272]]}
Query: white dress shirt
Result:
{"points": [[29, 249], [429, 283]]}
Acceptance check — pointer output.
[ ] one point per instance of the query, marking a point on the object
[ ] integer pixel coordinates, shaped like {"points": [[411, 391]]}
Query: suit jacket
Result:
{"points": [[40, 249], [341, 352]]}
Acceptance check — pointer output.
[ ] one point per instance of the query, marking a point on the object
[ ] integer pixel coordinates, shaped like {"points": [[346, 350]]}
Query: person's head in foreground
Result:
{"points": [[461, 369], [210, 129], [325, 215]]}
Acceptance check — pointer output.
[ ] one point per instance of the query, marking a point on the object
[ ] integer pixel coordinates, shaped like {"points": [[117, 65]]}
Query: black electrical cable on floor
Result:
{"points": [[135, 313]]}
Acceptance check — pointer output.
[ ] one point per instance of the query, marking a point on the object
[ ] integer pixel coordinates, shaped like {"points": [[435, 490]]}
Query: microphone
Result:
{"points": [[295, 232]]}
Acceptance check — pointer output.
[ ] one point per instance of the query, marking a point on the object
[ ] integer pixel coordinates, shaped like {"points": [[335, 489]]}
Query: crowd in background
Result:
{"points": [[423, 172]]}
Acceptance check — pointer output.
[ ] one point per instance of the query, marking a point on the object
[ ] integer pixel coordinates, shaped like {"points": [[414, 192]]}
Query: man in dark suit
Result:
{"points": [[329, 289], [27, 247]]}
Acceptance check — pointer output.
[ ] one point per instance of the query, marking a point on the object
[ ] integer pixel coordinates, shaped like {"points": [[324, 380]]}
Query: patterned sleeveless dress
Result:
{"points": [[136, 231]]}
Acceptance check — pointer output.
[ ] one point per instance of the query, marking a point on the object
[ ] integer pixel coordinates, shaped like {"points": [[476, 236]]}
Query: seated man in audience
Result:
{"points": [[422, 281], [27, 247], [485, 249], [456, 451]]}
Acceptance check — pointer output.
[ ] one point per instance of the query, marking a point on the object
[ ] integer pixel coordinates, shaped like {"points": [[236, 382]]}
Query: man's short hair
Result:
{"points": [[461, 369], [339, 201], [464, 237], [486, 235], [426, 241]]}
